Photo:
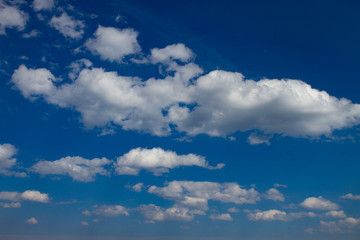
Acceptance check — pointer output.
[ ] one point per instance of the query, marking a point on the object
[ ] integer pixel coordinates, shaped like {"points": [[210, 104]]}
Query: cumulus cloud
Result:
{"points": [[157, 161], [196, 194], [33, 83], [32, 221], [67, 26], [274, 194], [45, 5], [11, 17], [177, 213], [273, 215], [351, 196], [110, 210], [138, 187], [222, 217], [319, 204], [335, 214], [33, 34], [29, 195], [7, 160], [10, 205], [78, 168], [218, 103], [113, 44], [340, 226], [171, 52]]}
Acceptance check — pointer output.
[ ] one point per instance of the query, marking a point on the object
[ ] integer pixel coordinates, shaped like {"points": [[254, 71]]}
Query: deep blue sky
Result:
{"points": [[290, 148]]}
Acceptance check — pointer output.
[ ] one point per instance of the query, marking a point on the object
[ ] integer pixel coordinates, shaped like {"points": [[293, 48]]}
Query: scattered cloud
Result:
{"points": [[222, 217], [138, 187], [196, 194], [110, 210], [78, 168], [11, 17], [33, 34], [170, 53], [32, 221], [113, 44], [157, 161], [319, 204], [256, 139], [233, 210], [7, 160], [340, 226], [10, 205], [67, 26], [77, 66], [269, 215], [29, 195], [43, 5], [335, 214], [152, 212], [274, 194], [351, 196]]}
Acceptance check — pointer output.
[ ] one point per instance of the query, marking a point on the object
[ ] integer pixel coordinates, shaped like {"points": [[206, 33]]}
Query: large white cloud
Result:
{"points": [[7, 160], [219, 103], [29, 195], [319, 203], [80, 169], [11, 17], [196, 194], [67, 26], [157, 161], [113, 44]]}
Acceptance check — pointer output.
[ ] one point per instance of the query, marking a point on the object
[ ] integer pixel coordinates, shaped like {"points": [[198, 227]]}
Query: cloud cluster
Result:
{"points": [[80, 169], [157, 161], [11, 17], [67, 26], [218, 103], [29, 195], [7, 160], [340, 226]]}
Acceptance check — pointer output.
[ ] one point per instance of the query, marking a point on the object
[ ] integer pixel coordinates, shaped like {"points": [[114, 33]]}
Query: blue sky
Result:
{"points": [[179, 120]]}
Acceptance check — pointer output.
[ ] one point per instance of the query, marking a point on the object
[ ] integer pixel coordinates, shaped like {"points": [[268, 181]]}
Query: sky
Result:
{"points": [[179, 120]]}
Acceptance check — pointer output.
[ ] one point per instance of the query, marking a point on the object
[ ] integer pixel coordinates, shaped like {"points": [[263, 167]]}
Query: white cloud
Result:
{"points": [[222, 217], [335, 214], [280, 185], [157, 161], [84, 223], [196, 194], [29, 195], [171, 52], [33, 34], [10, 205], [176, 213], [110, 210], [138, 187], [11, 17], [7, 160], [32, 221], [217, 104], [274, 194], [340, 226], [233, 210], [80, 169], [269, 215], [86, 212], [77, 66], [256, 139], [33, 82], [113, 44], [319, 204], [67, 26], [39, 5], [272, 215], [351, 196]]}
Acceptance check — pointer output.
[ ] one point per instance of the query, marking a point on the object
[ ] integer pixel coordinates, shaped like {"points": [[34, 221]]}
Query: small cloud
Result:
{"points": [[84, 223], [256, 139], [274, 194], [138, 187], [31, 221], [351, 196], [278, 185], [33, 34], [222, 217], [319, 204], [233, 210], [86, 212]]}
